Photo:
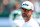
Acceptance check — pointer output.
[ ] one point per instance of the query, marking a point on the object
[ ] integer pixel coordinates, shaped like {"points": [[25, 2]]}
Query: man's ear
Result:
{"points": [[32, 11]]}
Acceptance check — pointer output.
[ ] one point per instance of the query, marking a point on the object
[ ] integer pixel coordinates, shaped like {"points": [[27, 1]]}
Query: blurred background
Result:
{"points": [[7, 6]]}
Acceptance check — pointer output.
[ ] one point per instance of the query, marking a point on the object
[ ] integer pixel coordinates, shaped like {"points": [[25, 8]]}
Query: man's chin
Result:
{"points": [[25, 18]]}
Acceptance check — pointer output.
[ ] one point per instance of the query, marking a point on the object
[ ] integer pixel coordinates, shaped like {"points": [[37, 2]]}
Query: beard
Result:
{"points": [[25, 16]]}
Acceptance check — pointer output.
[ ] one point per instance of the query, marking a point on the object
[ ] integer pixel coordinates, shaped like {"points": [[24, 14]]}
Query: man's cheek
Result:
{"points": [[29, 14]]}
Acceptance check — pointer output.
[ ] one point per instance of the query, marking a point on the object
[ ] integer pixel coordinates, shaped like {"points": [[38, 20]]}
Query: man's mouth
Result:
{"points": [[24, 15]]}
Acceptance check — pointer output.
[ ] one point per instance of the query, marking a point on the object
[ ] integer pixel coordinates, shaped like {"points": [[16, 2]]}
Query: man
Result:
{"points": [[27, 11]]}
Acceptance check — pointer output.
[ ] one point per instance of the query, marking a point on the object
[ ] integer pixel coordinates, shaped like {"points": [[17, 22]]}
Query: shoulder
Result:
{"points": [[33, 23]]}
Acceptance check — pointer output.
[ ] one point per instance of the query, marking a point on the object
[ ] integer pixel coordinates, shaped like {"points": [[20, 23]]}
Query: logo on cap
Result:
{"points": [[26, 4]]}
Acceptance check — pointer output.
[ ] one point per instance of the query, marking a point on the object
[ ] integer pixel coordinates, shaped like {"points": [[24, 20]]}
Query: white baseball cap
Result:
{"points": [[27, 5]]}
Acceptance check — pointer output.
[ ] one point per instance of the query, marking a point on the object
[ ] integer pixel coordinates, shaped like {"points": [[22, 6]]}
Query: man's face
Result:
{"points": [[26, 13]]}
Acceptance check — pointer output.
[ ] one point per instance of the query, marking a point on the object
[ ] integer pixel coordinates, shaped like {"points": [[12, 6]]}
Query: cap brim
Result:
{"points": [[26, 8]]}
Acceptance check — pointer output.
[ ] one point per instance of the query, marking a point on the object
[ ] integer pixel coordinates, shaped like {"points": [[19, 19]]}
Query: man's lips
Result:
{"points": [[23, 15]]}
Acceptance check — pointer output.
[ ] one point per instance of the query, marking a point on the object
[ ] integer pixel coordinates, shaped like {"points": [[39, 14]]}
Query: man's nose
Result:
{"points": [[23, 12]]}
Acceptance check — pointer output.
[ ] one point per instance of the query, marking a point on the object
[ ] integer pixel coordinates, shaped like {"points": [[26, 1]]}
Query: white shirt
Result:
{"points": [[18, 23], [31, 23]]}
